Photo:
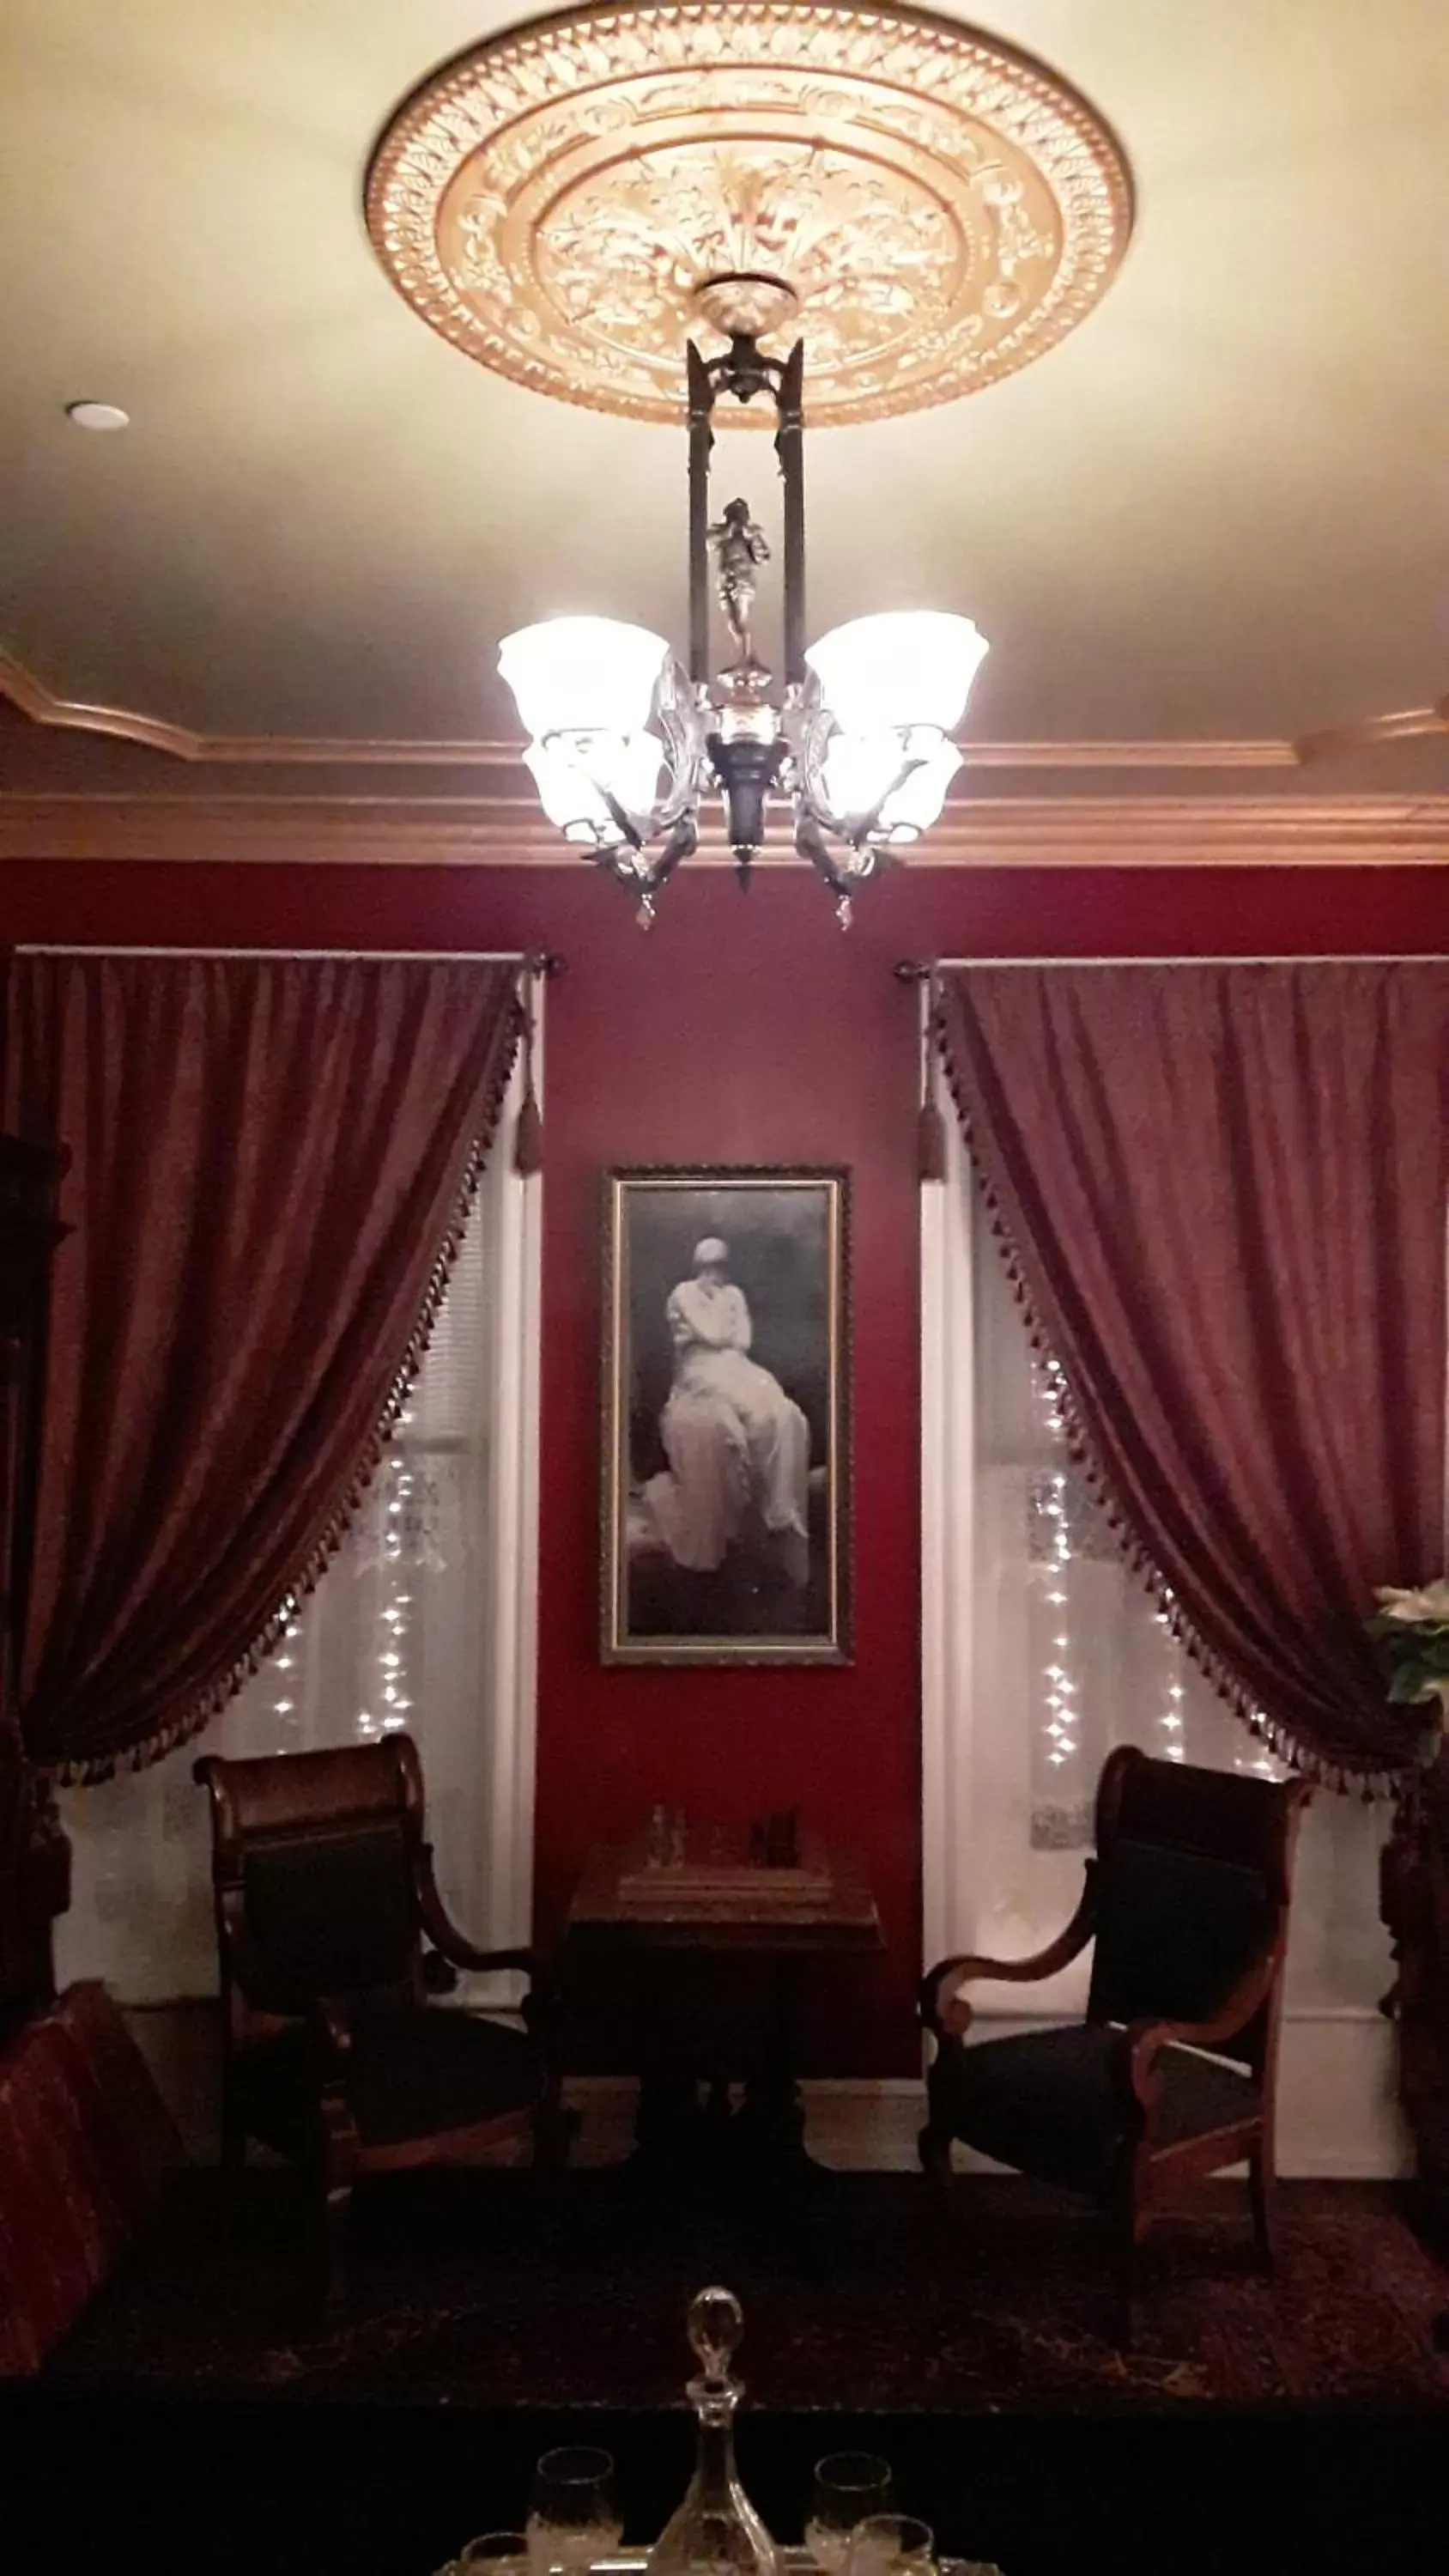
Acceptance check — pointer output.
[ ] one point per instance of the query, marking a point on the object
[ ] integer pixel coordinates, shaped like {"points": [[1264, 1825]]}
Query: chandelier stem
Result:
{"points": [[701, 440], [790, 448]]}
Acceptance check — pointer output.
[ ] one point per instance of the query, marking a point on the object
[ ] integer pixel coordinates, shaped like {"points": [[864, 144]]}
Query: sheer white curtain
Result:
{"points": [[425, 1620], [1043, 1650]]}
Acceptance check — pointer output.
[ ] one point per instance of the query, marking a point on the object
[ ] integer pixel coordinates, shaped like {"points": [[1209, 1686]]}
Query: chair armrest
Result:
{"points": [[1144, 2039], [945, 2012], [335, 2032], [463, 1954], [540, 2006], [454, 1945]]}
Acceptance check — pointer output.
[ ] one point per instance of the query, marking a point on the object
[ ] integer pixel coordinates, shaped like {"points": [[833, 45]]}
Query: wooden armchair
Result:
{"points": [[333, 2055], [1170, 2077]]}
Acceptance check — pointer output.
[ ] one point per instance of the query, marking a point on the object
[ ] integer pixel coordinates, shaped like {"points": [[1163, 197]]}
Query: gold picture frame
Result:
{"points": [[725, 1522]]}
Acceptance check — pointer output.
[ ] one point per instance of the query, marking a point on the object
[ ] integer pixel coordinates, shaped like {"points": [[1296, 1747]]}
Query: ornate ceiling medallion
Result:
{"points": [[927, 207]]}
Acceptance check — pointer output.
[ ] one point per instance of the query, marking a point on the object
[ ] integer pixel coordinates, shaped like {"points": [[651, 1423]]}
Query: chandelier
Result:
{"points": [[582, 201], [625, 744]]}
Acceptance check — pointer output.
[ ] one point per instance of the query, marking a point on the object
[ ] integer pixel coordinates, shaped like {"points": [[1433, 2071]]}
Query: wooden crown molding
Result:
{"points": [[360, 751], [32, 698], [490, 831], [1373, 730]]}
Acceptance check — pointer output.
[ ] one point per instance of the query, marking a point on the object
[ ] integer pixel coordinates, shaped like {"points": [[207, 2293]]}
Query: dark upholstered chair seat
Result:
{"points": [[1053, 2103], [330, 1936], [408, 2074]]}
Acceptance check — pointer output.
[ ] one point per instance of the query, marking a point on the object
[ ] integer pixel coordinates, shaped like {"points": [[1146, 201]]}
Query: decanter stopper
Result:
{"points": [[716, 2531], [716, 2323]]}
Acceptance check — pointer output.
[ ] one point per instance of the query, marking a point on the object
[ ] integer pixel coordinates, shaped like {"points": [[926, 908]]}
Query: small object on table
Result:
{"points": [[667, 1841], [849, 2485], [775, 1840], [574, 2520], [891, 2544], [716, 2530]]}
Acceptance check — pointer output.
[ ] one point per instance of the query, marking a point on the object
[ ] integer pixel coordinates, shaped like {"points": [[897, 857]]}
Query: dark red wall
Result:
{"points": [[738, 1030]]}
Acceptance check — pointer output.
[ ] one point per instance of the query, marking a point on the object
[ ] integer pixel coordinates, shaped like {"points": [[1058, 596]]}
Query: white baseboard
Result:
{"points": [[1338, 2120]]}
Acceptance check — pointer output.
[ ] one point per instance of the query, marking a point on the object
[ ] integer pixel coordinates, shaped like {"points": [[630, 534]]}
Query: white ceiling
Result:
{"points": [[1218, 510]]}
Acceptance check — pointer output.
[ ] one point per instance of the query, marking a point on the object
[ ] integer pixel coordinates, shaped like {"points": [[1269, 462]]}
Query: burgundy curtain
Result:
{"points": [[271, 1162], [1224, 1189]]}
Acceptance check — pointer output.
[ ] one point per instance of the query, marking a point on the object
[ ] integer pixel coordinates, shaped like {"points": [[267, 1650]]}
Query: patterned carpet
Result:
{"points": [[466, 2294]]}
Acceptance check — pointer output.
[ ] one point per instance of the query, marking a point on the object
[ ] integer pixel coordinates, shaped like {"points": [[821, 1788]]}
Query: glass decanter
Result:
{"points": [[716, 2530]]}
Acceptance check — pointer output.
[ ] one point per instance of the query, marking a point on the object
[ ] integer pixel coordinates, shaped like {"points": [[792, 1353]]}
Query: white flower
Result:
{"points": [[1430, 1602]]}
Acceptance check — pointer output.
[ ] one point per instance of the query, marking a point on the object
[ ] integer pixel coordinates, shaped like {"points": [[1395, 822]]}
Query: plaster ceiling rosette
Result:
{"points": [[928, 208]]}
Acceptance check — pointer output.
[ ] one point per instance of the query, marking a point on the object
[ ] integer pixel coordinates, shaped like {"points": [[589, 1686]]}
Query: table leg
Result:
{"points": [[771, 2119]]}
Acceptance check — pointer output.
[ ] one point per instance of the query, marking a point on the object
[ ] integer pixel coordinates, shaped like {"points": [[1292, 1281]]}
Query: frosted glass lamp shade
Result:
{"points": [[572, 774], [906, 667], [860, 767], [583, 675]]}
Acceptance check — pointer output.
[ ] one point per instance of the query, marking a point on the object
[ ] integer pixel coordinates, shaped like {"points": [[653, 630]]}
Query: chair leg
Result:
{"points": [[338, 2150], [336, 2204], [1129, 2228], [933, 2147], [554, 2131], [1263, 2193], [233, 2140]]}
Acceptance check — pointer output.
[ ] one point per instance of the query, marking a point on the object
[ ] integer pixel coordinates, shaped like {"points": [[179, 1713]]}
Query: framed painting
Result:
{"points": [[726, 1431]]}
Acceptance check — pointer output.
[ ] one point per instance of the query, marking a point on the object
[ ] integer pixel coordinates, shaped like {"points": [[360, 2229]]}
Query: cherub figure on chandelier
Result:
{"points": [[740, 547]]}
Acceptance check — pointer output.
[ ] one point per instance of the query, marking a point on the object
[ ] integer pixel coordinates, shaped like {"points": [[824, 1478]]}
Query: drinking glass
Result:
{"points": [[493, 2553], [574, 2518], [849, 2485], [890, 2544]]}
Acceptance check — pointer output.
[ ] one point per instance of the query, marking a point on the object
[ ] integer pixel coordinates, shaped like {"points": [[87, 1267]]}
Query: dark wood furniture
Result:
{"points": [[34, 1854], [330, 1932], [1414, 1903], [717, 1954], [1170, 2078]]}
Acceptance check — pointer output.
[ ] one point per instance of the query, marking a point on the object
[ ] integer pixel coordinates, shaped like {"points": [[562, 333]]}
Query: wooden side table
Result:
{"points": [[686, 1933]]}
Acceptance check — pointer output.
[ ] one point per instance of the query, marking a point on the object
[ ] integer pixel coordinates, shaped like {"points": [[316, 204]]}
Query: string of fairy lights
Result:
{"points": [[1063, 1717], [389, 1700], [392, 1704], [1062, 1696]]}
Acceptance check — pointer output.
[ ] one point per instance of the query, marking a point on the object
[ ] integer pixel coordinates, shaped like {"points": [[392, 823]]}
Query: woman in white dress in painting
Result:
{"points": [[738, 1448]]}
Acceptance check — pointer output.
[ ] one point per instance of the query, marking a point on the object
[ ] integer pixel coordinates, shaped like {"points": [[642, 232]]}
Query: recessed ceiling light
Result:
{"points": [[97, 415]]}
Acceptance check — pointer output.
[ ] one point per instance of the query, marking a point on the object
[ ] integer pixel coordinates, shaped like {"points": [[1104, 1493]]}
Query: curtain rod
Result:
{"points": [[543, 965], [910, 970]]}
